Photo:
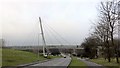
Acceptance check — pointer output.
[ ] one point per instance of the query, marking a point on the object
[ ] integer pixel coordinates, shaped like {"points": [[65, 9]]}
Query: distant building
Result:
{"points": [[2, 43]]}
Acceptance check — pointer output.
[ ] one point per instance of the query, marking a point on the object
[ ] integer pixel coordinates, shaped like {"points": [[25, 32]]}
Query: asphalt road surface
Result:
{"points": [[55, 63]]}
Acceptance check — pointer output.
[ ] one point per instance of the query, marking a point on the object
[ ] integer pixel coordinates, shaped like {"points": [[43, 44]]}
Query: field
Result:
{"points": [[75, 63], [11, 57]]}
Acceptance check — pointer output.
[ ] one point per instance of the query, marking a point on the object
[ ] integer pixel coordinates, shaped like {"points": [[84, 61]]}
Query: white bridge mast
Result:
{"points": [[43, 38]]}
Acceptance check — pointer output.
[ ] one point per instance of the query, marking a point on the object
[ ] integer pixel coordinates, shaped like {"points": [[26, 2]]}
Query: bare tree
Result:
{"points": [[105, 28]]}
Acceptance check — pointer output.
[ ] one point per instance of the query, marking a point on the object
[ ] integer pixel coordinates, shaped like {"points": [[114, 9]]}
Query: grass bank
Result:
{"points": [[0, 56], [105, 63], [75, 63], [11, 57]]}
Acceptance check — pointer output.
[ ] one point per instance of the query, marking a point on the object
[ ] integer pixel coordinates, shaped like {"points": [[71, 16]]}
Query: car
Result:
{"points": [[64, 56]]}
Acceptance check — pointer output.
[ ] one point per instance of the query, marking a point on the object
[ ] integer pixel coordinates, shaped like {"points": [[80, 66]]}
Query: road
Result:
{"points": [[55, 63], [91, 64]]}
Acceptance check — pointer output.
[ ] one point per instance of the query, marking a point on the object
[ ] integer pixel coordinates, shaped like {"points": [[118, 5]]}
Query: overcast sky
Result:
{"points": [[70, 18]]}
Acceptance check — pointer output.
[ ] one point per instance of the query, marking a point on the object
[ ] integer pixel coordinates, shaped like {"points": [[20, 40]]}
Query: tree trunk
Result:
{"points": [[116, 54], [117, 59], [109, 60], [116, 46]]}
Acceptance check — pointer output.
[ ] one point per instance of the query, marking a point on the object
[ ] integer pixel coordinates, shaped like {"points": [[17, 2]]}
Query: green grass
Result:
{"points": [[0, 57], [105, 63], [75, 63], [11, 57]]}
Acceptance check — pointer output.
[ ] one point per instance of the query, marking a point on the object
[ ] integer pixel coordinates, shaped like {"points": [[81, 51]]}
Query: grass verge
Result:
{"points": [[105, 63], [0, 57], [75, 63], [12, 57]]}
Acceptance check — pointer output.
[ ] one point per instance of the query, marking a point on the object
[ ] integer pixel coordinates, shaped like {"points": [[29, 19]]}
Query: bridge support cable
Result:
{"points": [[50, 28], [48, 37], [53, 35], [53, 31]]}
